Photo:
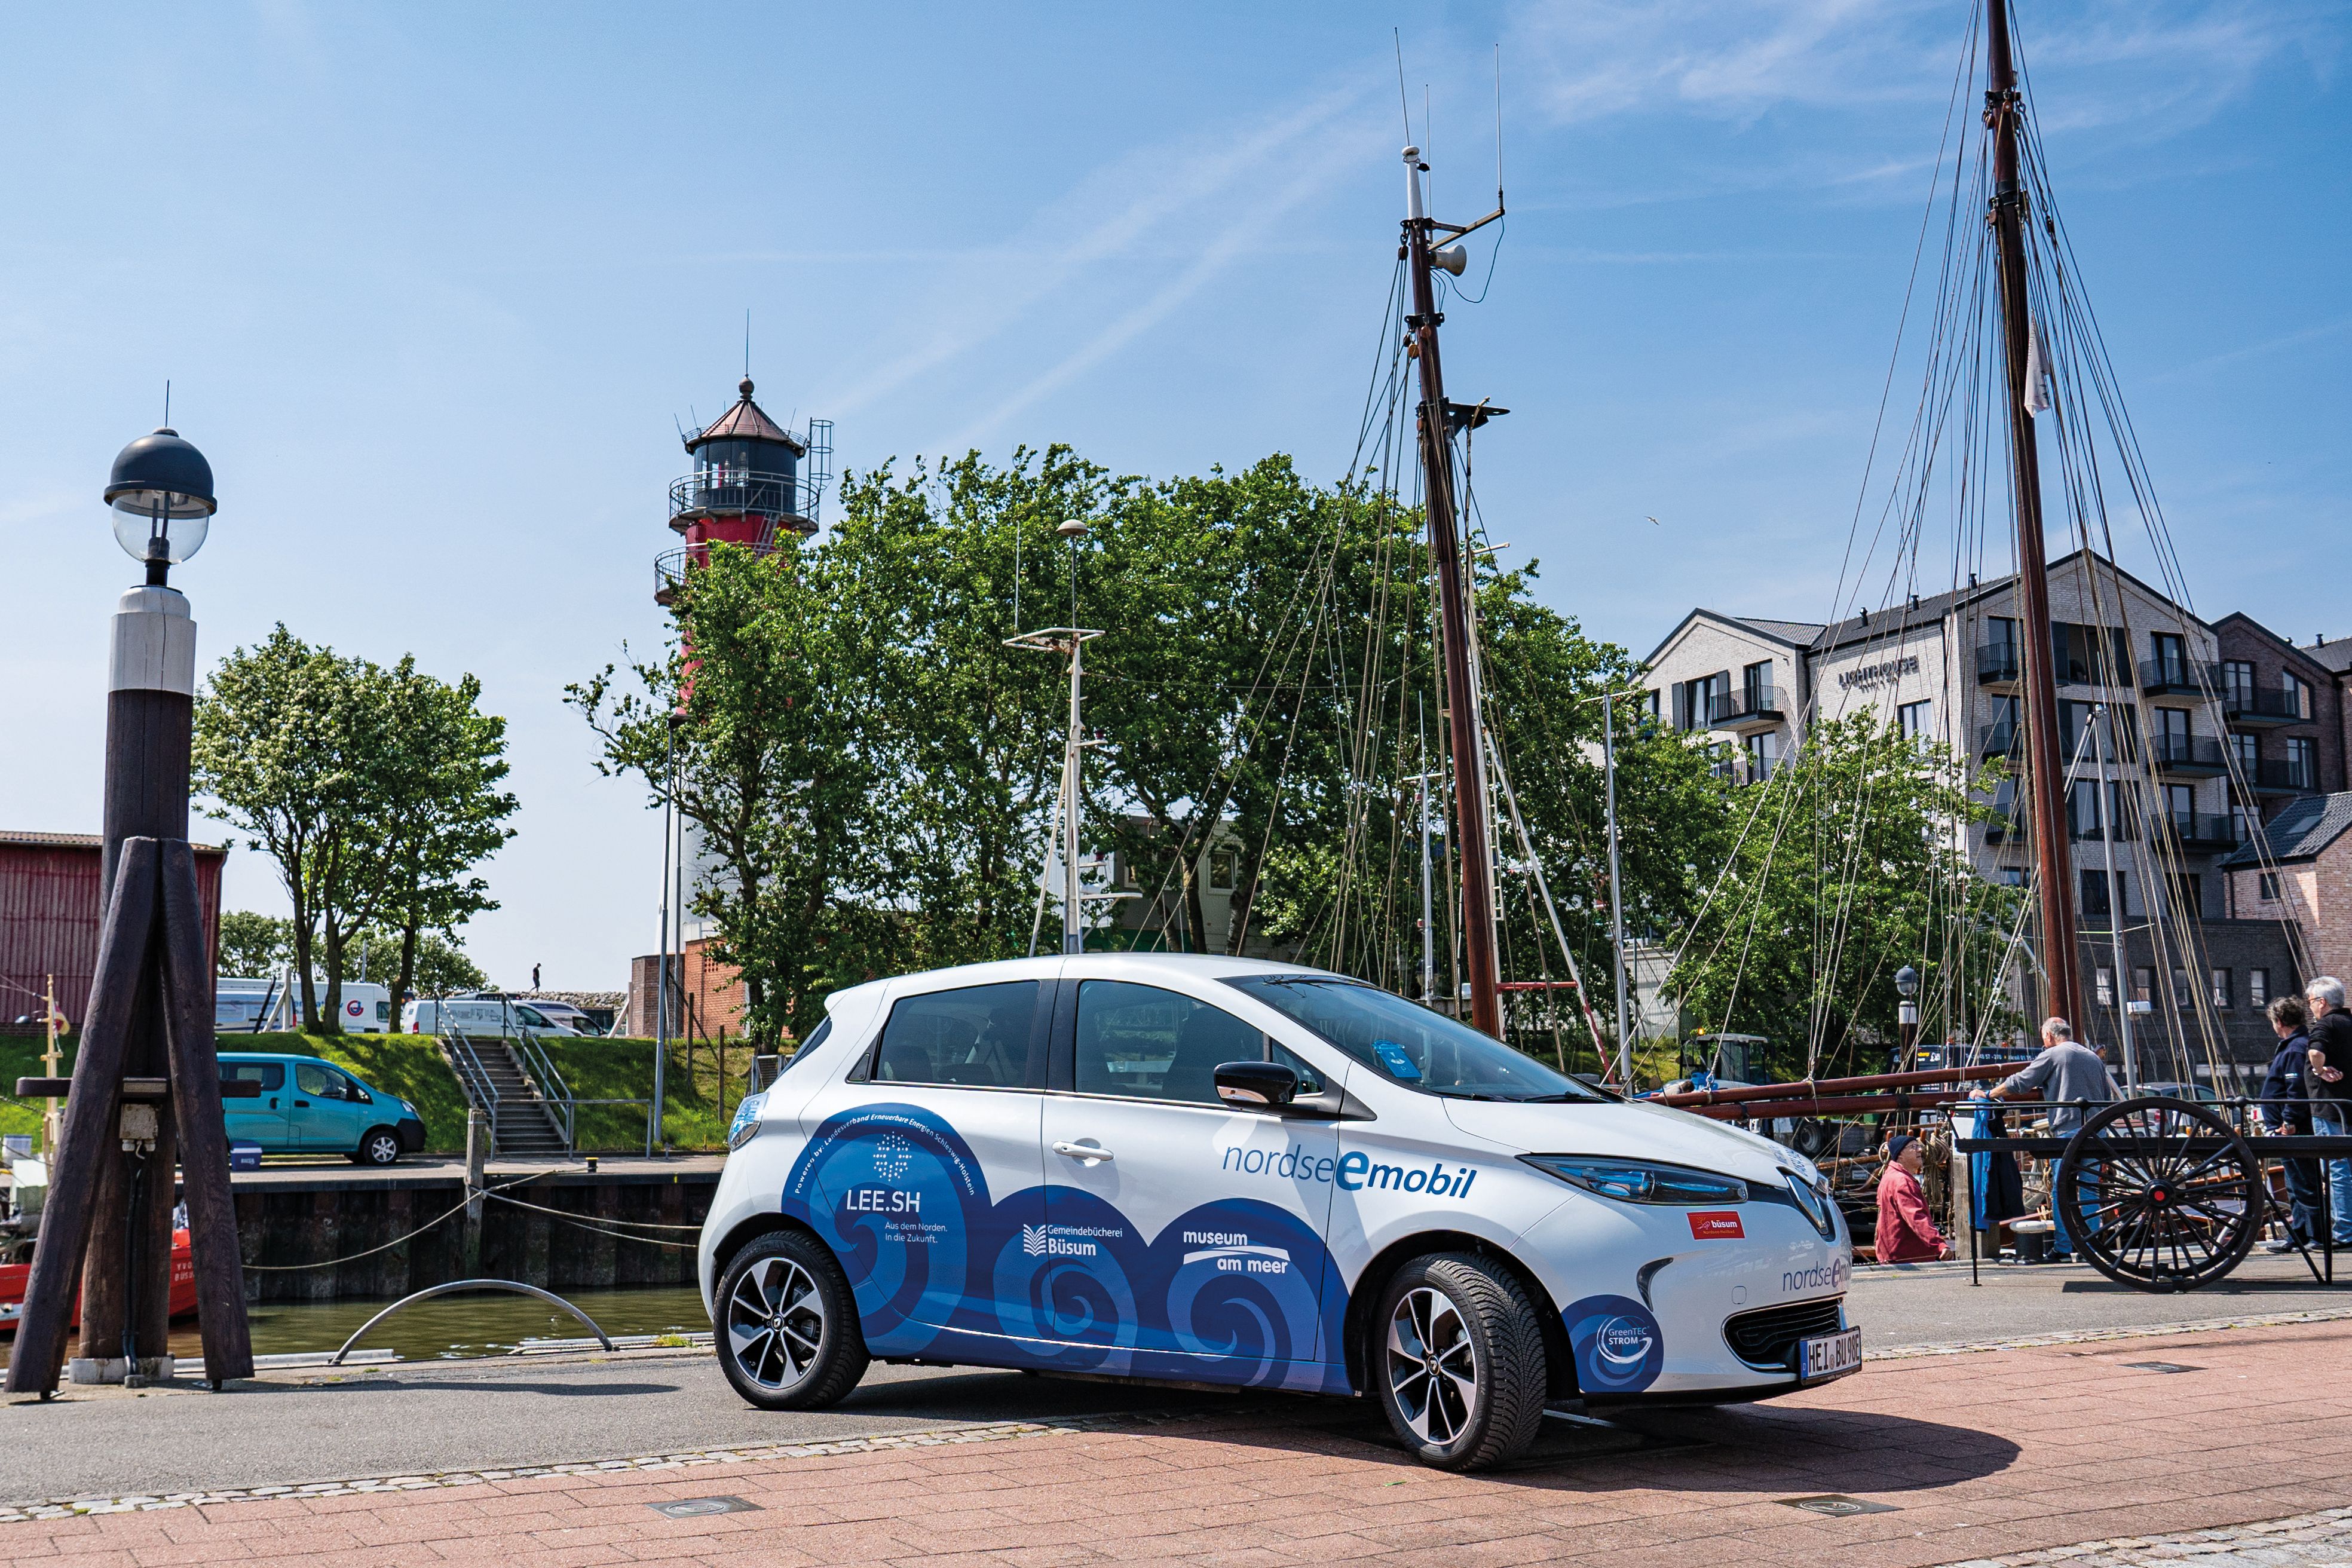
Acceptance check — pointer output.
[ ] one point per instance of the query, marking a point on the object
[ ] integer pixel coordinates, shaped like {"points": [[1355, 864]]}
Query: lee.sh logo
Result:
{"points": [[1720, 1225], [881, 1200]]}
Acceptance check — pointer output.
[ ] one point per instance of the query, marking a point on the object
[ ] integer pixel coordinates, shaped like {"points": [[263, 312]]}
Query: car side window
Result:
{"points": [[1143, 1043], [270, 1076], [309, 1078], [348, 1088], [975, 1038]]}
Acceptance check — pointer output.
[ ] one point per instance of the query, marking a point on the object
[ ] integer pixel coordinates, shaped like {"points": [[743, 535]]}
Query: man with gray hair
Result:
{"points": [[2331, 1091], [2067, 1070]]}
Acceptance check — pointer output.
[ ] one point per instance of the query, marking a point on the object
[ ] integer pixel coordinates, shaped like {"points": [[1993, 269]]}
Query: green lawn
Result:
{"points": [[410, 1065]]}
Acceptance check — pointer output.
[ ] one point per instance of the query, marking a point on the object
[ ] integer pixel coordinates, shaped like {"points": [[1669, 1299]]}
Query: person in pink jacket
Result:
{"points": [[1907, 1232]]}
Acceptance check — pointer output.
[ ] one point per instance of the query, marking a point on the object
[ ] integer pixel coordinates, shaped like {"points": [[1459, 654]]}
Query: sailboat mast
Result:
{"points": [[2046, 761], [1445, 545]]}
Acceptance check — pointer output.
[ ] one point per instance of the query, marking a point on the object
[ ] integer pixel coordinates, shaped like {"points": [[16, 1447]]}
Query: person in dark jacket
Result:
{"points": [[2331, 1090], [2286, 1110]]}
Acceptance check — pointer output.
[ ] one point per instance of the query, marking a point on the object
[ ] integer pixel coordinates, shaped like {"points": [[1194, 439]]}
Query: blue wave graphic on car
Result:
{"points": [[1232, 1291]]}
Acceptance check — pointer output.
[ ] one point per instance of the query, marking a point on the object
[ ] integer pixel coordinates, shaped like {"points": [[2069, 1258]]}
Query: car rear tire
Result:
{"points": [[787, 1331], [380, 1147], [1457, 1361]]}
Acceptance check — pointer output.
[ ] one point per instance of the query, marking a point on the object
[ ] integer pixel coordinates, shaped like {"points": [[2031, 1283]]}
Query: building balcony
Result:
{"points": [[1999, 664], [2003, 827], [2002, 740], [784, 501], [2188, 756], [2198, 832], [671, 566], [2260, 708], [2284, 775], [1747, 710], [2178, 678]]}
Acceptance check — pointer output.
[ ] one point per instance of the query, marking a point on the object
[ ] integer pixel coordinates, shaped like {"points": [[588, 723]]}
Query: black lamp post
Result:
{"points": [[1906, 986], [161, 491]]}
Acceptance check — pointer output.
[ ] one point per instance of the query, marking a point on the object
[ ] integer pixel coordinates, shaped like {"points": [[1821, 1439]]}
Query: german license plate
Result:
{"points": [[1825, 1357]]}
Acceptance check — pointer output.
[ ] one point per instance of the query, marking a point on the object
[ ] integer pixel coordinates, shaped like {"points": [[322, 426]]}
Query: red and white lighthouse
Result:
{"points": [[753, 480]]}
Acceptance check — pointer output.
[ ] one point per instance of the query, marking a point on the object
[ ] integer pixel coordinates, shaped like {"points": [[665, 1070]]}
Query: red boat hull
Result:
{"points": [[12, 1277]]}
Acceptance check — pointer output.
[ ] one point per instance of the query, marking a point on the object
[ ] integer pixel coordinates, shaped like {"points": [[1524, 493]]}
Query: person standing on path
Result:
{"points": [[2286, 1110], [2331, 1090], [1907, 1232], [2071, 1074]]}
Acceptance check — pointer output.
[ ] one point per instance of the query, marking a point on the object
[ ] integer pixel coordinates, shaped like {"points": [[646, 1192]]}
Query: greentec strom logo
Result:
{"points": [[1354, 1171]]}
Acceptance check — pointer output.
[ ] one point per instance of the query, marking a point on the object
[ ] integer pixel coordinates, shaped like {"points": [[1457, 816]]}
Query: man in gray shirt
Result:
{"points": [[2065, 1071]]}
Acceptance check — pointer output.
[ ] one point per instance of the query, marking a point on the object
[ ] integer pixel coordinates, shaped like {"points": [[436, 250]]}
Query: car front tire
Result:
{"points": [[787, 1331], [380, 1147], [1457, 1361]]}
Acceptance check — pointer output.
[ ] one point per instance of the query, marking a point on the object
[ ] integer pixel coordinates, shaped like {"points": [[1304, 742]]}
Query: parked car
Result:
{"points": [[244, 1005], [487, 1018], [308, 1106], [1192, 1169], [566, 1015]]}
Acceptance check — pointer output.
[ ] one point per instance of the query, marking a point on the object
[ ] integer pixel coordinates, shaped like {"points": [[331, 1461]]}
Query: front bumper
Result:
{"points": [[1651, 1311], [412, 1134]]}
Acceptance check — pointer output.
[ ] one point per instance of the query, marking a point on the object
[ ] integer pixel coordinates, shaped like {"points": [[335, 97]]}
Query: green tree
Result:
{"points": [[1848, 864], [751, 725], [438, 965], [372, 788], [254, 944]]}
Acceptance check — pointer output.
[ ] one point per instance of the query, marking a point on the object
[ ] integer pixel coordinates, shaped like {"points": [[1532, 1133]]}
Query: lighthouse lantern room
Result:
{"points": [[747, 487]]}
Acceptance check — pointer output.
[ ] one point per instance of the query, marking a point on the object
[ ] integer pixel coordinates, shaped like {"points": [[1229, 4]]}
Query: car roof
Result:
{"points": [[1108, 965]]}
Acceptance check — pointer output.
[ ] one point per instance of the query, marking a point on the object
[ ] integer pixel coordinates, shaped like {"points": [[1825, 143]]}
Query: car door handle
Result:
{"points": [[1083, 1151], [301, 1105]]}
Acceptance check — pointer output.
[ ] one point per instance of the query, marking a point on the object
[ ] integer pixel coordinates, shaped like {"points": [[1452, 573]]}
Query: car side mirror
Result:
{"points": [[1257, 1086]]}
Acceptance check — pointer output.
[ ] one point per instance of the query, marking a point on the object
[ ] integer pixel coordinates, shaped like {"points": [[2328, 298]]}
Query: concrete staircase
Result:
{"points": [[521, 1121]]}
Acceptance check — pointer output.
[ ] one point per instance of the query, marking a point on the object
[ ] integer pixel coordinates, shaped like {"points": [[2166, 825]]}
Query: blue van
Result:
{"points": [[306, 1106]]}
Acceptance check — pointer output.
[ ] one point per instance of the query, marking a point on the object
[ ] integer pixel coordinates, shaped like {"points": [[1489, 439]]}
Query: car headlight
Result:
{"points": [[1815, 1201], [747, 1120], [1639, 1182]]}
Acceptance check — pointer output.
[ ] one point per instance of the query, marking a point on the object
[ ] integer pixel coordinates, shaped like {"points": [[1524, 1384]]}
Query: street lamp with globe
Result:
{"points": [[1906, 986]]}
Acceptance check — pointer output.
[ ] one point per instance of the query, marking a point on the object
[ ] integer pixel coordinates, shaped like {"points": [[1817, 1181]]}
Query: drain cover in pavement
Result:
{"points": [[2160, 1367], [1838, 1507], [700, 1507]]}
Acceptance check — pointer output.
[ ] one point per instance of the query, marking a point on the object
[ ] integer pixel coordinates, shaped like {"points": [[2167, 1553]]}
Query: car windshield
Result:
{"points": [[1410, 1043]]}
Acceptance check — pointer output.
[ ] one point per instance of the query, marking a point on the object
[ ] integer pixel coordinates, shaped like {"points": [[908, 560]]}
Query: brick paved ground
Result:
{"points": [[1994, 1456]]}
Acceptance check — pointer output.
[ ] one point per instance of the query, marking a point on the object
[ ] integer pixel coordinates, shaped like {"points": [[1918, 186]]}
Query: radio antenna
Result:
{"points": [[747, 342], [1498, 125], [1405, 104], [167, 402]]}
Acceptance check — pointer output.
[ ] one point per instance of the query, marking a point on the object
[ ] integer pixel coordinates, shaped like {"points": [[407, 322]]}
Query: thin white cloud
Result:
{"points": [[1116, 214]]}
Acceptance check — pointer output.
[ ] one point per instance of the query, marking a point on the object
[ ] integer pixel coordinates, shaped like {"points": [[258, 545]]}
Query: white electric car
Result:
{"points": [[1209, 1170]]}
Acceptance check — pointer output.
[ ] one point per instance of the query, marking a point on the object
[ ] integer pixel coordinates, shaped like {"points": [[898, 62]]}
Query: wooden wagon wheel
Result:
{"points": [[2160, 1193]]}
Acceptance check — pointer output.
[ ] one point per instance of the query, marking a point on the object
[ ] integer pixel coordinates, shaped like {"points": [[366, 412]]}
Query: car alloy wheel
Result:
{"points": [[775, 1322], [788, 1332], [1456, 1359], [1433, 1368], [380, 1147]]}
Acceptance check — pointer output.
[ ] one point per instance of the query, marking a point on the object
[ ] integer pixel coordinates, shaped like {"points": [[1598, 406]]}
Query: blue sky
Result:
{"points": [[436, 283]]}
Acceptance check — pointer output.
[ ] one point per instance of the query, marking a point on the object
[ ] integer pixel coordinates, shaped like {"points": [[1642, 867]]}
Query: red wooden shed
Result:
{"points": [[49, 915]]}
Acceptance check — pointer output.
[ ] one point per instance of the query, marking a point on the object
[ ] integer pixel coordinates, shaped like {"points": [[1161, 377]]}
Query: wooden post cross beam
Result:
{"points": [[153, 927]]}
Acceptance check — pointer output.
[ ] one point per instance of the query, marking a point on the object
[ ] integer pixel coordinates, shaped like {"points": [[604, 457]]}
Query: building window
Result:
{"points": [[2144, 983], [2180, 997], [2189, 892], [1916, 720], [2258, 988], [2220, 979], [2298, 691], [2106, 984], [2302, 762], [1653, 706], [2266, 887], [2171, 650], [1756, 687], [1763, 755], [2094, 897], [1221, 871], [2238, 681], [2010, 875], [2246, 752]]}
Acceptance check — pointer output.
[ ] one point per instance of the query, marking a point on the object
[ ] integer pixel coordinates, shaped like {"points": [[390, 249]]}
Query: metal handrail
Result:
{"points": [[443, 1290], [670, 566], [731, 490], [539, 1070], [475, 1076]]}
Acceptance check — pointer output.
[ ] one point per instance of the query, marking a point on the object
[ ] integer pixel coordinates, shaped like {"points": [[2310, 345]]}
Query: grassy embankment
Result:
{"points": [[410, 1065]]}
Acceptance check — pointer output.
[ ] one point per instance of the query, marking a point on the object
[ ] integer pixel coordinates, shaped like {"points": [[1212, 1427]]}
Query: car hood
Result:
{"points": [[1623, 1129]]}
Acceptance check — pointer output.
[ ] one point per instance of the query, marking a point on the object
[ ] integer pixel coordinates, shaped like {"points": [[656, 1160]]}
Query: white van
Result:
{"points": [[483, 1017], [247, 1006]]}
